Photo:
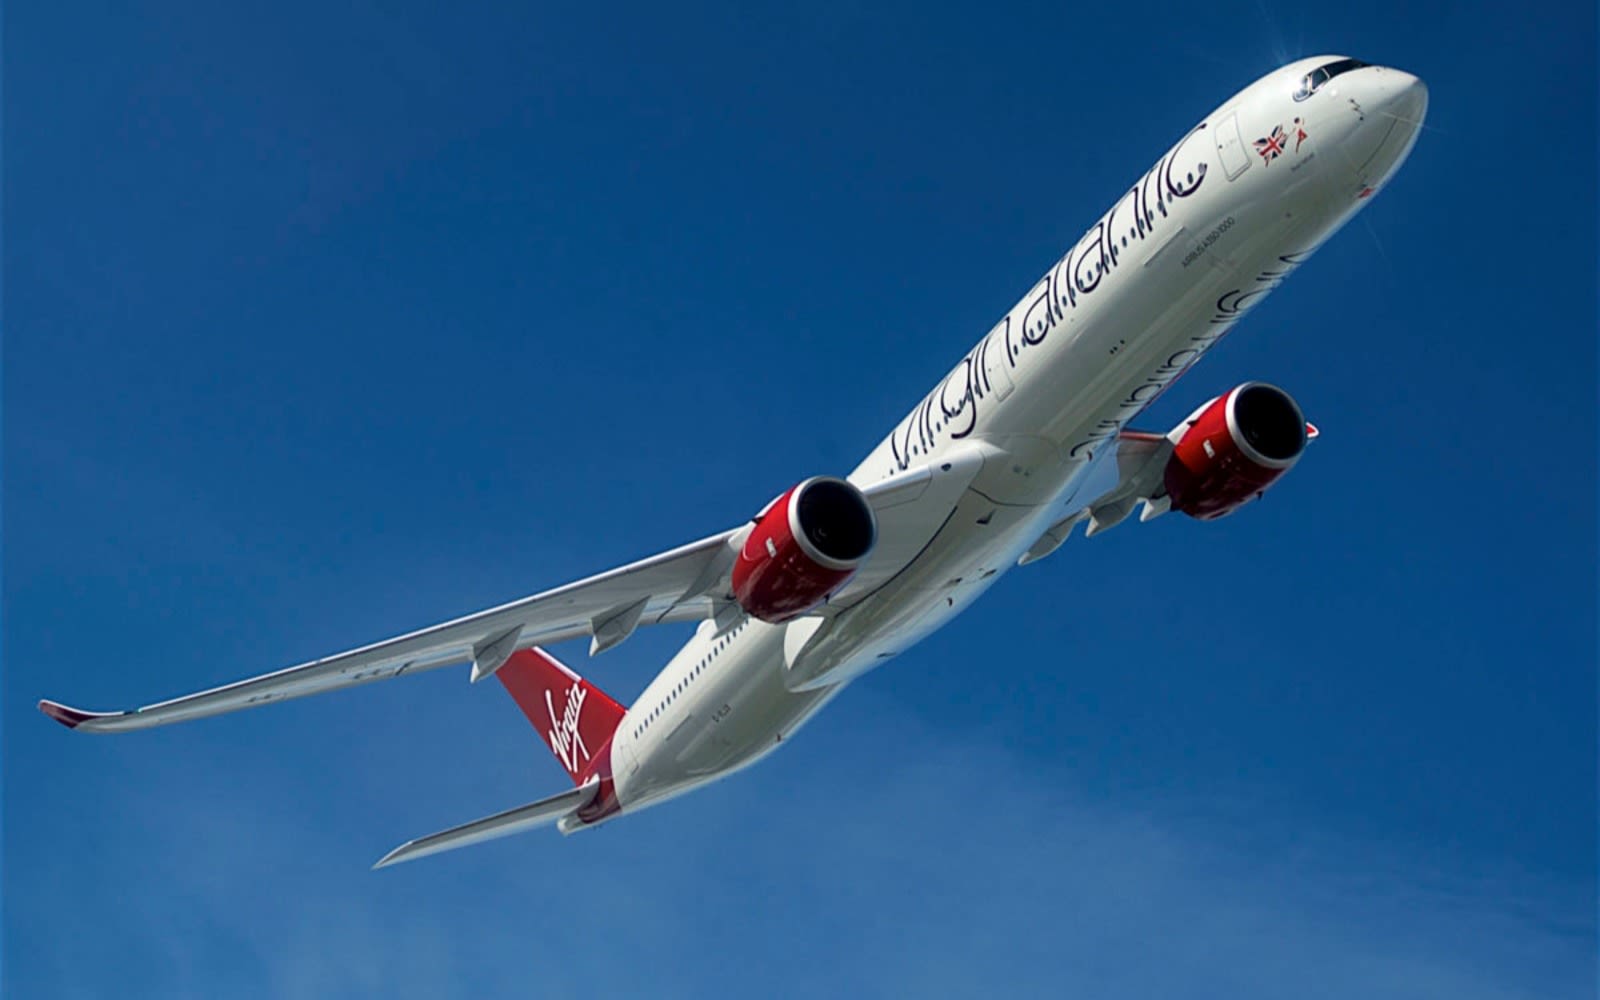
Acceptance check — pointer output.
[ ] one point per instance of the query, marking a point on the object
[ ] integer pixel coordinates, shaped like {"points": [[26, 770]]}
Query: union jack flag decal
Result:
{"points": [[1271, 147]]}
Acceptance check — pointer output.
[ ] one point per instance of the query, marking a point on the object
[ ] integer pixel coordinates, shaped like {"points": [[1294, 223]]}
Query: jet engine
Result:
{"points": [[1231, 449], [805, 545]]}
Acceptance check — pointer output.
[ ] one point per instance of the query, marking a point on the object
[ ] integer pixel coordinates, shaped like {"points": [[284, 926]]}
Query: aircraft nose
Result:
{"points": [[1392, 104], [1403, 97]]}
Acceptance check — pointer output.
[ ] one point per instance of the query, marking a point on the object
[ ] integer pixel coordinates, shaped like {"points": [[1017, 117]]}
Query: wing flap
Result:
{"points": [[504, 824]]}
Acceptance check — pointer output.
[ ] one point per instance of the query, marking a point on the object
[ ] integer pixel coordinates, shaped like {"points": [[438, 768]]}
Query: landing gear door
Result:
{"points": [[1231, 151]]}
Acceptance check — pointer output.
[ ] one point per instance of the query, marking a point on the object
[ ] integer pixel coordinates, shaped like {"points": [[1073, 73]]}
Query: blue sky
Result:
{"points": [[324, 324]]}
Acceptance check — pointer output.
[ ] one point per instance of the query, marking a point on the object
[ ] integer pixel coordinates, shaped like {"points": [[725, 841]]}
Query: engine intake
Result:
{"points": [[803, 547], [1231, 449]]}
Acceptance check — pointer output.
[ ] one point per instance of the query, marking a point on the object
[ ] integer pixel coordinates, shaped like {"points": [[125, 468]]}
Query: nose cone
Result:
{"points": [[1403, 97], [1392, 104]]}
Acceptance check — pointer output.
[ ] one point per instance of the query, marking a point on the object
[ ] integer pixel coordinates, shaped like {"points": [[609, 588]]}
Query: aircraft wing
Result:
{"points": [[685, 584], [1130, 475], [667, 587]]}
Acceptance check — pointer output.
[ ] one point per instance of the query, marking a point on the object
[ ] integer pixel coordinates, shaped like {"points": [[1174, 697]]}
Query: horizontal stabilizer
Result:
{"points": [[518, 820]]}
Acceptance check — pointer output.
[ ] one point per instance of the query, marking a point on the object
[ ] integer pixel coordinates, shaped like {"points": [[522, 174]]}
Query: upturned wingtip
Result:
{"points": [[71, 717]]}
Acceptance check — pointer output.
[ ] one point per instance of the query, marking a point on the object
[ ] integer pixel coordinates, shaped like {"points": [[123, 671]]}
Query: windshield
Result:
{"points": [[1313, 81]]}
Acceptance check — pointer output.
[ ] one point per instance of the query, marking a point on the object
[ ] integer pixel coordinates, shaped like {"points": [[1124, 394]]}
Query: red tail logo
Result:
{"points": [[575, 718], [565, 738]]}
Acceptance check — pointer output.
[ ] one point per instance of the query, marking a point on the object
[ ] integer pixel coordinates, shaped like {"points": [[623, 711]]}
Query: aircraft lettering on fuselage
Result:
{"points": [[1234, 303], [564, 736], [1231, 307], [1129, 223]]}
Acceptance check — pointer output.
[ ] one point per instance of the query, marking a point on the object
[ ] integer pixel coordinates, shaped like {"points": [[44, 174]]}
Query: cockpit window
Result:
{"points": [[1313, 81]]}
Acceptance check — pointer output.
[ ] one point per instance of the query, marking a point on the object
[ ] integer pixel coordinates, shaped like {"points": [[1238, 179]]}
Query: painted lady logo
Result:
{"points": [[565, 739], [1272, 146], [1299, 133]]}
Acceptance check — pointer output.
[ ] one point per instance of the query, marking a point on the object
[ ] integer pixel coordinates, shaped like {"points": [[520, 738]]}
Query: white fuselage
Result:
{"points": [[1186, 251]]}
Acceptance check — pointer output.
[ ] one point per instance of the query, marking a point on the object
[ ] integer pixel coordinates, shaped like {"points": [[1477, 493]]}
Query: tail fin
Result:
{"points": [[575, 718]]}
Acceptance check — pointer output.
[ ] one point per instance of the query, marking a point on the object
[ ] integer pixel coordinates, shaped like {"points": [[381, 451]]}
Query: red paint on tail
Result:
{"points": [[575, 718]]}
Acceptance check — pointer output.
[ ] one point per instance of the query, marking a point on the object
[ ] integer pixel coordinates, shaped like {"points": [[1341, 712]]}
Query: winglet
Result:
{"points": [[71, 717]]}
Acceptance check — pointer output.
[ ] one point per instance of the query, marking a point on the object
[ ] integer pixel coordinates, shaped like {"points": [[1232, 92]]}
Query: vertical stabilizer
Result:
{"points": [[575, 718]]}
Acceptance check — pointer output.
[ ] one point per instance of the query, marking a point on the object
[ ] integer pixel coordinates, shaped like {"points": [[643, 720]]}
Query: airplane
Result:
{"points": [[1028, 436]]}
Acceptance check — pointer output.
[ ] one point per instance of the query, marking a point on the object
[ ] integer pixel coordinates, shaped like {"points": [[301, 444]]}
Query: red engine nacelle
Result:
{"points": [[803, 547], [1234, 447]]}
